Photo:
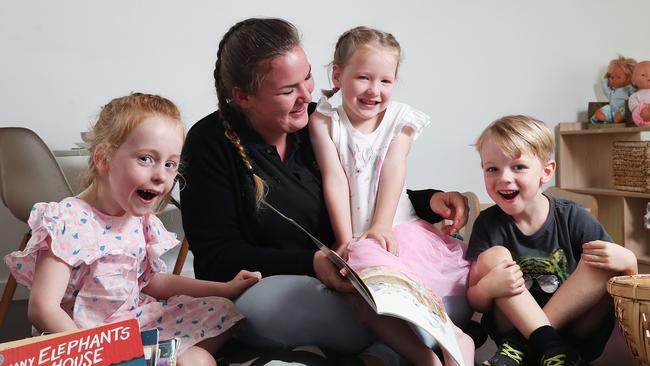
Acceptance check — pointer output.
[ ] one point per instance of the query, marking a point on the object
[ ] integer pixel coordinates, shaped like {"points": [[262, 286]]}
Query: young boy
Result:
{"points": [[539, 264]]}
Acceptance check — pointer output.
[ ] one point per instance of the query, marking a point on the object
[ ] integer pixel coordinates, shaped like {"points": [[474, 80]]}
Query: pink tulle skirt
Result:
{"points": [[426, 254]]}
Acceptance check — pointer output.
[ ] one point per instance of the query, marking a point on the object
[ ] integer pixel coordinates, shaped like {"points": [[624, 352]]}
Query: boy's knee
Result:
{"points": [[491, 257]]}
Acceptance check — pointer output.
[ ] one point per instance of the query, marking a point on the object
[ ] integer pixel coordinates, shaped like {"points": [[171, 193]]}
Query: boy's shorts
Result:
{"points": [[590, 347]]}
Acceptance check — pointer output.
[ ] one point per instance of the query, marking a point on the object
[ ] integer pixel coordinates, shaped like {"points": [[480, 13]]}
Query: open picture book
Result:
{"points": [[391, 292]]}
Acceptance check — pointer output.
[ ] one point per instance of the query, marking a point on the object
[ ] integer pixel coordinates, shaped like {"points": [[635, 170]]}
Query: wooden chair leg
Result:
{"points": [[180, 260], [10, 287]]}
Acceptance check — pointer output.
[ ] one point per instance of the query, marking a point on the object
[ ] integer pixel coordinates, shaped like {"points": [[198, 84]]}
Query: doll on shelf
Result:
{"points": [[617, 86], [639, 102]]}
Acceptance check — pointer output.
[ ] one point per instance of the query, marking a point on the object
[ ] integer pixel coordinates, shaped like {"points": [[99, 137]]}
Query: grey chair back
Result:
{"points": [[29, 172]]}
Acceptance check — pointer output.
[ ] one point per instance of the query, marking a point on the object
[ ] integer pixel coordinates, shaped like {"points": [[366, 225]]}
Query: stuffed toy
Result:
{"points": [[639, 102], [617, 86]]}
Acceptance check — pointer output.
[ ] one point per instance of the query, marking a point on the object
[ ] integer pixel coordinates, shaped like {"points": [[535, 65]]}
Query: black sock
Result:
{"points": [[513, 335], [544, 338]]}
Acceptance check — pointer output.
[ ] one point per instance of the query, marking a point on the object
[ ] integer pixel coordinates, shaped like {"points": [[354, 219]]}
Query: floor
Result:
{"points": [[17, 327], [16, 324], [615, 353]]}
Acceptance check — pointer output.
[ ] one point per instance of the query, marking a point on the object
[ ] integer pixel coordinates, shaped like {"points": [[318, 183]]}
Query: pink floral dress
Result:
{"points": [[112, 259]]}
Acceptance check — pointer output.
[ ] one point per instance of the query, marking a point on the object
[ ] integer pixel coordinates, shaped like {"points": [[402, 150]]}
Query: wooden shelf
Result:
{"points": [[580, 128], [584, 158], [610, 192], [643, 259]]}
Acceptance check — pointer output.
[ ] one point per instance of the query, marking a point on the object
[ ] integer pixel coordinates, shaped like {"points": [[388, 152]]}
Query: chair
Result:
{"points": [[182, 255], [29, 173], [185, 247], [587, 201]]}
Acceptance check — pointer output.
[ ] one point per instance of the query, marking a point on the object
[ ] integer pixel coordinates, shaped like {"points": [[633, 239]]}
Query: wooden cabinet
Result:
{"points": [[584, 157]]}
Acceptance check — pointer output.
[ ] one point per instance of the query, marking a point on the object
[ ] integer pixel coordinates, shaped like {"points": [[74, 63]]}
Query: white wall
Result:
{"points": [[465, 63]]}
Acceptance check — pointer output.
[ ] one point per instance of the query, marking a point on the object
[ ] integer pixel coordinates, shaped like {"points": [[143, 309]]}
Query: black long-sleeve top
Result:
{"points": [[226, 231]]}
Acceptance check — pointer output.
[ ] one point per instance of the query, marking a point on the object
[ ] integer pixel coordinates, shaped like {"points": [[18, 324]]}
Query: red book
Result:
{"points": [[113, 344]]}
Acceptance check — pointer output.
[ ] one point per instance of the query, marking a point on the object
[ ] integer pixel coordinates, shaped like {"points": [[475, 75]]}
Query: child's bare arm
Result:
{"points": [[164, 286], [48, 287], [391, 185], [335, 183], [504, 279], [609, 256]]}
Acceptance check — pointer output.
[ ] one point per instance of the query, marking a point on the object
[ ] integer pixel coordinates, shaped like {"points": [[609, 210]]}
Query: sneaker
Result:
{"points": [[561, 356], [509, 354]]}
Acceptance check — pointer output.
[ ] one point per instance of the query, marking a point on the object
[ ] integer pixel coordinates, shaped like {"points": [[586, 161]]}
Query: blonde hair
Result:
{"points": [[117, 119], [243, 60], [356, 38], [519, 134], [626, 64]]}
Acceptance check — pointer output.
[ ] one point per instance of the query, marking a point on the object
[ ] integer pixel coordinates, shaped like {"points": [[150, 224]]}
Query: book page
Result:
{"points": [[352, 276], [396, 294]]}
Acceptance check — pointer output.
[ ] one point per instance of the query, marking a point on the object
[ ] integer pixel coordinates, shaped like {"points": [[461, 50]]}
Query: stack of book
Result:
{"points": [[119, 343]]}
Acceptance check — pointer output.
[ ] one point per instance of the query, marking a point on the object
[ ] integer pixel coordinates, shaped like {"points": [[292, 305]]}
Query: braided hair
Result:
{"points": [[243, 59]]}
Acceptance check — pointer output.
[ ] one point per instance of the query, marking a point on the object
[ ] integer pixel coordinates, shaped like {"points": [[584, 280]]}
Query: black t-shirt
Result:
{"points": [[554, 249], [226, 231]]}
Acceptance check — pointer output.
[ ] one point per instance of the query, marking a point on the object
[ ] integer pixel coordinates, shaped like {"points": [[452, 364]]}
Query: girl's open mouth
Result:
{"points": [[146, 195]]}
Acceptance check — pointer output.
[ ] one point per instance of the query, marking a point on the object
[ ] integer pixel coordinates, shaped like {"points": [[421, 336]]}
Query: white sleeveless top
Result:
{"points": [[362, 156]]}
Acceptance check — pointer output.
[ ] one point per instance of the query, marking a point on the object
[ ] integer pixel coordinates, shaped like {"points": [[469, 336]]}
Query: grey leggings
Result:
{"points": [[291, 311]]}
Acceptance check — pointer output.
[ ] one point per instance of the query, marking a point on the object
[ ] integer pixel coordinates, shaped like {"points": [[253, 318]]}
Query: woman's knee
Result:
{"points": [[298, 310]]}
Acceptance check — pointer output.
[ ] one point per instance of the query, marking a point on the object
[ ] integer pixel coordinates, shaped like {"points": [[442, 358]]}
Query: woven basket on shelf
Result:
{"points": [[632, 305], [631, 165]]}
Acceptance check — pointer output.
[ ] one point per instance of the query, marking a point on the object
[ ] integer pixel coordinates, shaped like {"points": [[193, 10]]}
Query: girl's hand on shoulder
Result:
{"points": [[609, 256], [243, 280], [450, 206], [505, 279], [383, 234]]}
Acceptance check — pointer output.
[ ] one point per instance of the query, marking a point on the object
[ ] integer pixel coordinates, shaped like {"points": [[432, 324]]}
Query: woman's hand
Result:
{"points": [[328, 274], [243, 280], [450, 206], [383, 234], [609, 256]]}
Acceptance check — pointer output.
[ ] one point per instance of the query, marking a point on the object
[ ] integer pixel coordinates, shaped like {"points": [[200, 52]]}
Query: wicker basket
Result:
{"points": [[632, 305], [631, 165]]}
